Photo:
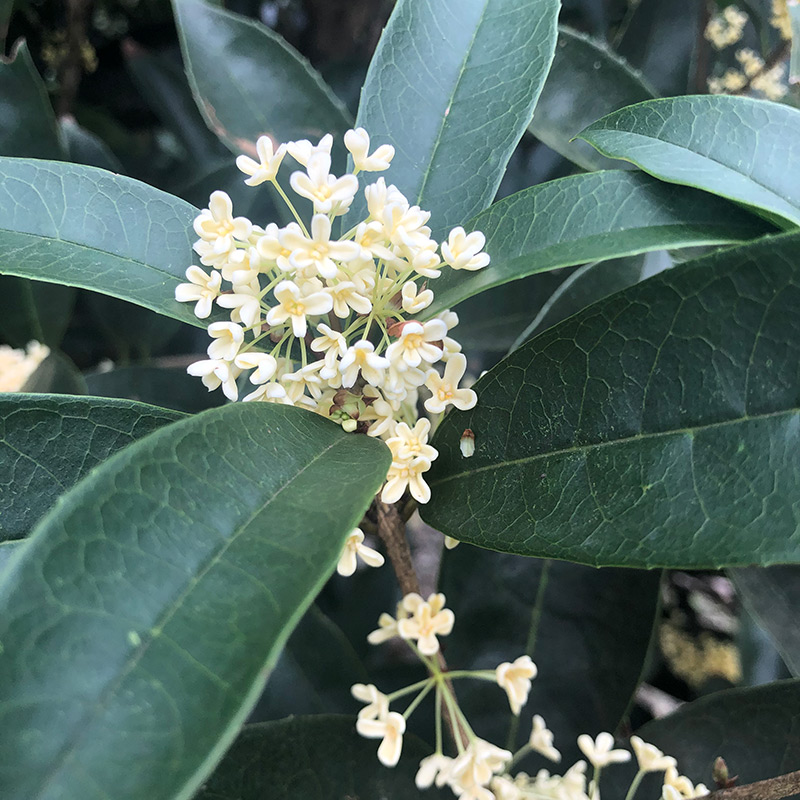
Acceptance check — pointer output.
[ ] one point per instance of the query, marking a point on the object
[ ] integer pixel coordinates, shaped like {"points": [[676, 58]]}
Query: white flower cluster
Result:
{"points": [[325, 321], [726, 28], [480, 770], [16, 366]]}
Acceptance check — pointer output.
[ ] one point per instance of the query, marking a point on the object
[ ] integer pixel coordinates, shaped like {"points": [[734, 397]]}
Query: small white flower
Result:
{"points": [[217, 226], [434, 768], [228, 338], [355, 547], [445, 389], [462, 251], [318, 252], [295, 306], [414, 301], [429, 619], [600, 750], [269, 160], [541, 740], [391, 729], [408, 443], [215, 373], [377, 702], [201, 288], [269, 393], [516, 679], [346, 296], [474, 768], [387, 629], [682, 785], [302, 150], [404, 474], [418, 342], [650, 758], [357, 142], [331, 341], [328, 193], [245, 304], [361, 357], [264, 365]]}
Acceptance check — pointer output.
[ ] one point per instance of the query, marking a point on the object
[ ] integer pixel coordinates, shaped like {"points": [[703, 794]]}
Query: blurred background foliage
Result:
{"points": [[101, 82]]}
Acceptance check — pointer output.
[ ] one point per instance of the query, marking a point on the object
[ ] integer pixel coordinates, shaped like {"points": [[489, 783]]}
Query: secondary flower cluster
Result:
{"points": [[16, 366], [479, 770], [328, 321]]}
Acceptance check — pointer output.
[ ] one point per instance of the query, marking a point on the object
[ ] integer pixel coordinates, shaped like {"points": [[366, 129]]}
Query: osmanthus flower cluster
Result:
{"points": [[327, 319], [16, 366], [476, 769]]}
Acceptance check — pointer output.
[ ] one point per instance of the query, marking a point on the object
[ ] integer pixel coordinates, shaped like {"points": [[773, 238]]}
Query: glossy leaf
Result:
{"points": [[657, 427], [591, 217], [168, 580], [49, 442], [754, 730], [314, 758], [587, 630], [86, 227], [33, 310], [27, 123], [773, 597], [258, 85], [168, 387], [586, 82], [452, 86], [736, 147], [83, 147]]}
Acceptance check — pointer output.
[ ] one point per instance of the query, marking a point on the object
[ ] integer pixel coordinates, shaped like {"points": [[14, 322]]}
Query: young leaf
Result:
{"points": [[167, 581], [315, 758], [27, 122], [49, 442], [587, 630], [657, 427], [452, 86], [773, 597], [587, 218], [736, 147], [586, 82], [247, 82], [754, 730], [86, 227]]}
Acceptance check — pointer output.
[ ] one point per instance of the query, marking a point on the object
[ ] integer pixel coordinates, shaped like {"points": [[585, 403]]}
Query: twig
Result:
{"points": [[702, 51], [392, 531], [770, 789], [72, 66]]}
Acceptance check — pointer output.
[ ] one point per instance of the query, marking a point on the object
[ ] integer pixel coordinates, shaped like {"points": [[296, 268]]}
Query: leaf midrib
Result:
{"points": [[688, 430], [137, 655]]}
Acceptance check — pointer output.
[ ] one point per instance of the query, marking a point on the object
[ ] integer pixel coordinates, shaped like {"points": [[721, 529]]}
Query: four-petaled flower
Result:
{"points": [[516, 679], [269, 160], [391, 729], [428, 619], [445, 389], [600, 751], [354, 547]]}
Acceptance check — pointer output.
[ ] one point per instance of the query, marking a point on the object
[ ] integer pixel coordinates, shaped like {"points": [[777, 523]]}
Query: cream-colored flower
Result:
{"points": [[263, 364], [541, 740], [361, 357], [726, 28], [516, 679], [202, 289], [228, 338], [16, 366], [217, 225], [650, 758], [328, 193], [413, 300], [307, 377], [355, 548], [269, 393], [357, 142], [407, 474], [272, 247], [463, 251], [682, 785], [472, 771], [408, 443], [428, 619], [346, 296], [391, 729], [433, 769], [418, 342], [377, 702], [445, 389], [600, 751], [296, 307], [269, 160], [387, 629], [318, 252], [215, 373], [302, 150], [245, 305]]}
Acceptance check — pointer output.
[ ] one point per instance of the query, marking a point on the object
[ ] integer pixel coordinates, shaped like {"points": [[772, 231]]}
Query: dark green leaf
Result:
{"points": [[314, 673], [247, 82], [587, 630], [754, 730], [773, 597], [586, 82], [588, 218], [49, 442], [6, 7], [56, 375], [167, 581], [736, 147], [452, 86], [315, 758], [657, 427], [86, 227], [27, 123], [34, 310], [83, 147], [169, 387]]}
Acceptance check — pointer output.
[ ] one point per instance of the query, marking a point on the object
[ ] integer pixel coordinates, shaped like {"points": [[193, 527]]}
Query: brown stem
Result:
{"points": [[72, 67], [392, 531], [702, 51], [770, 789], [778, 54]]}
